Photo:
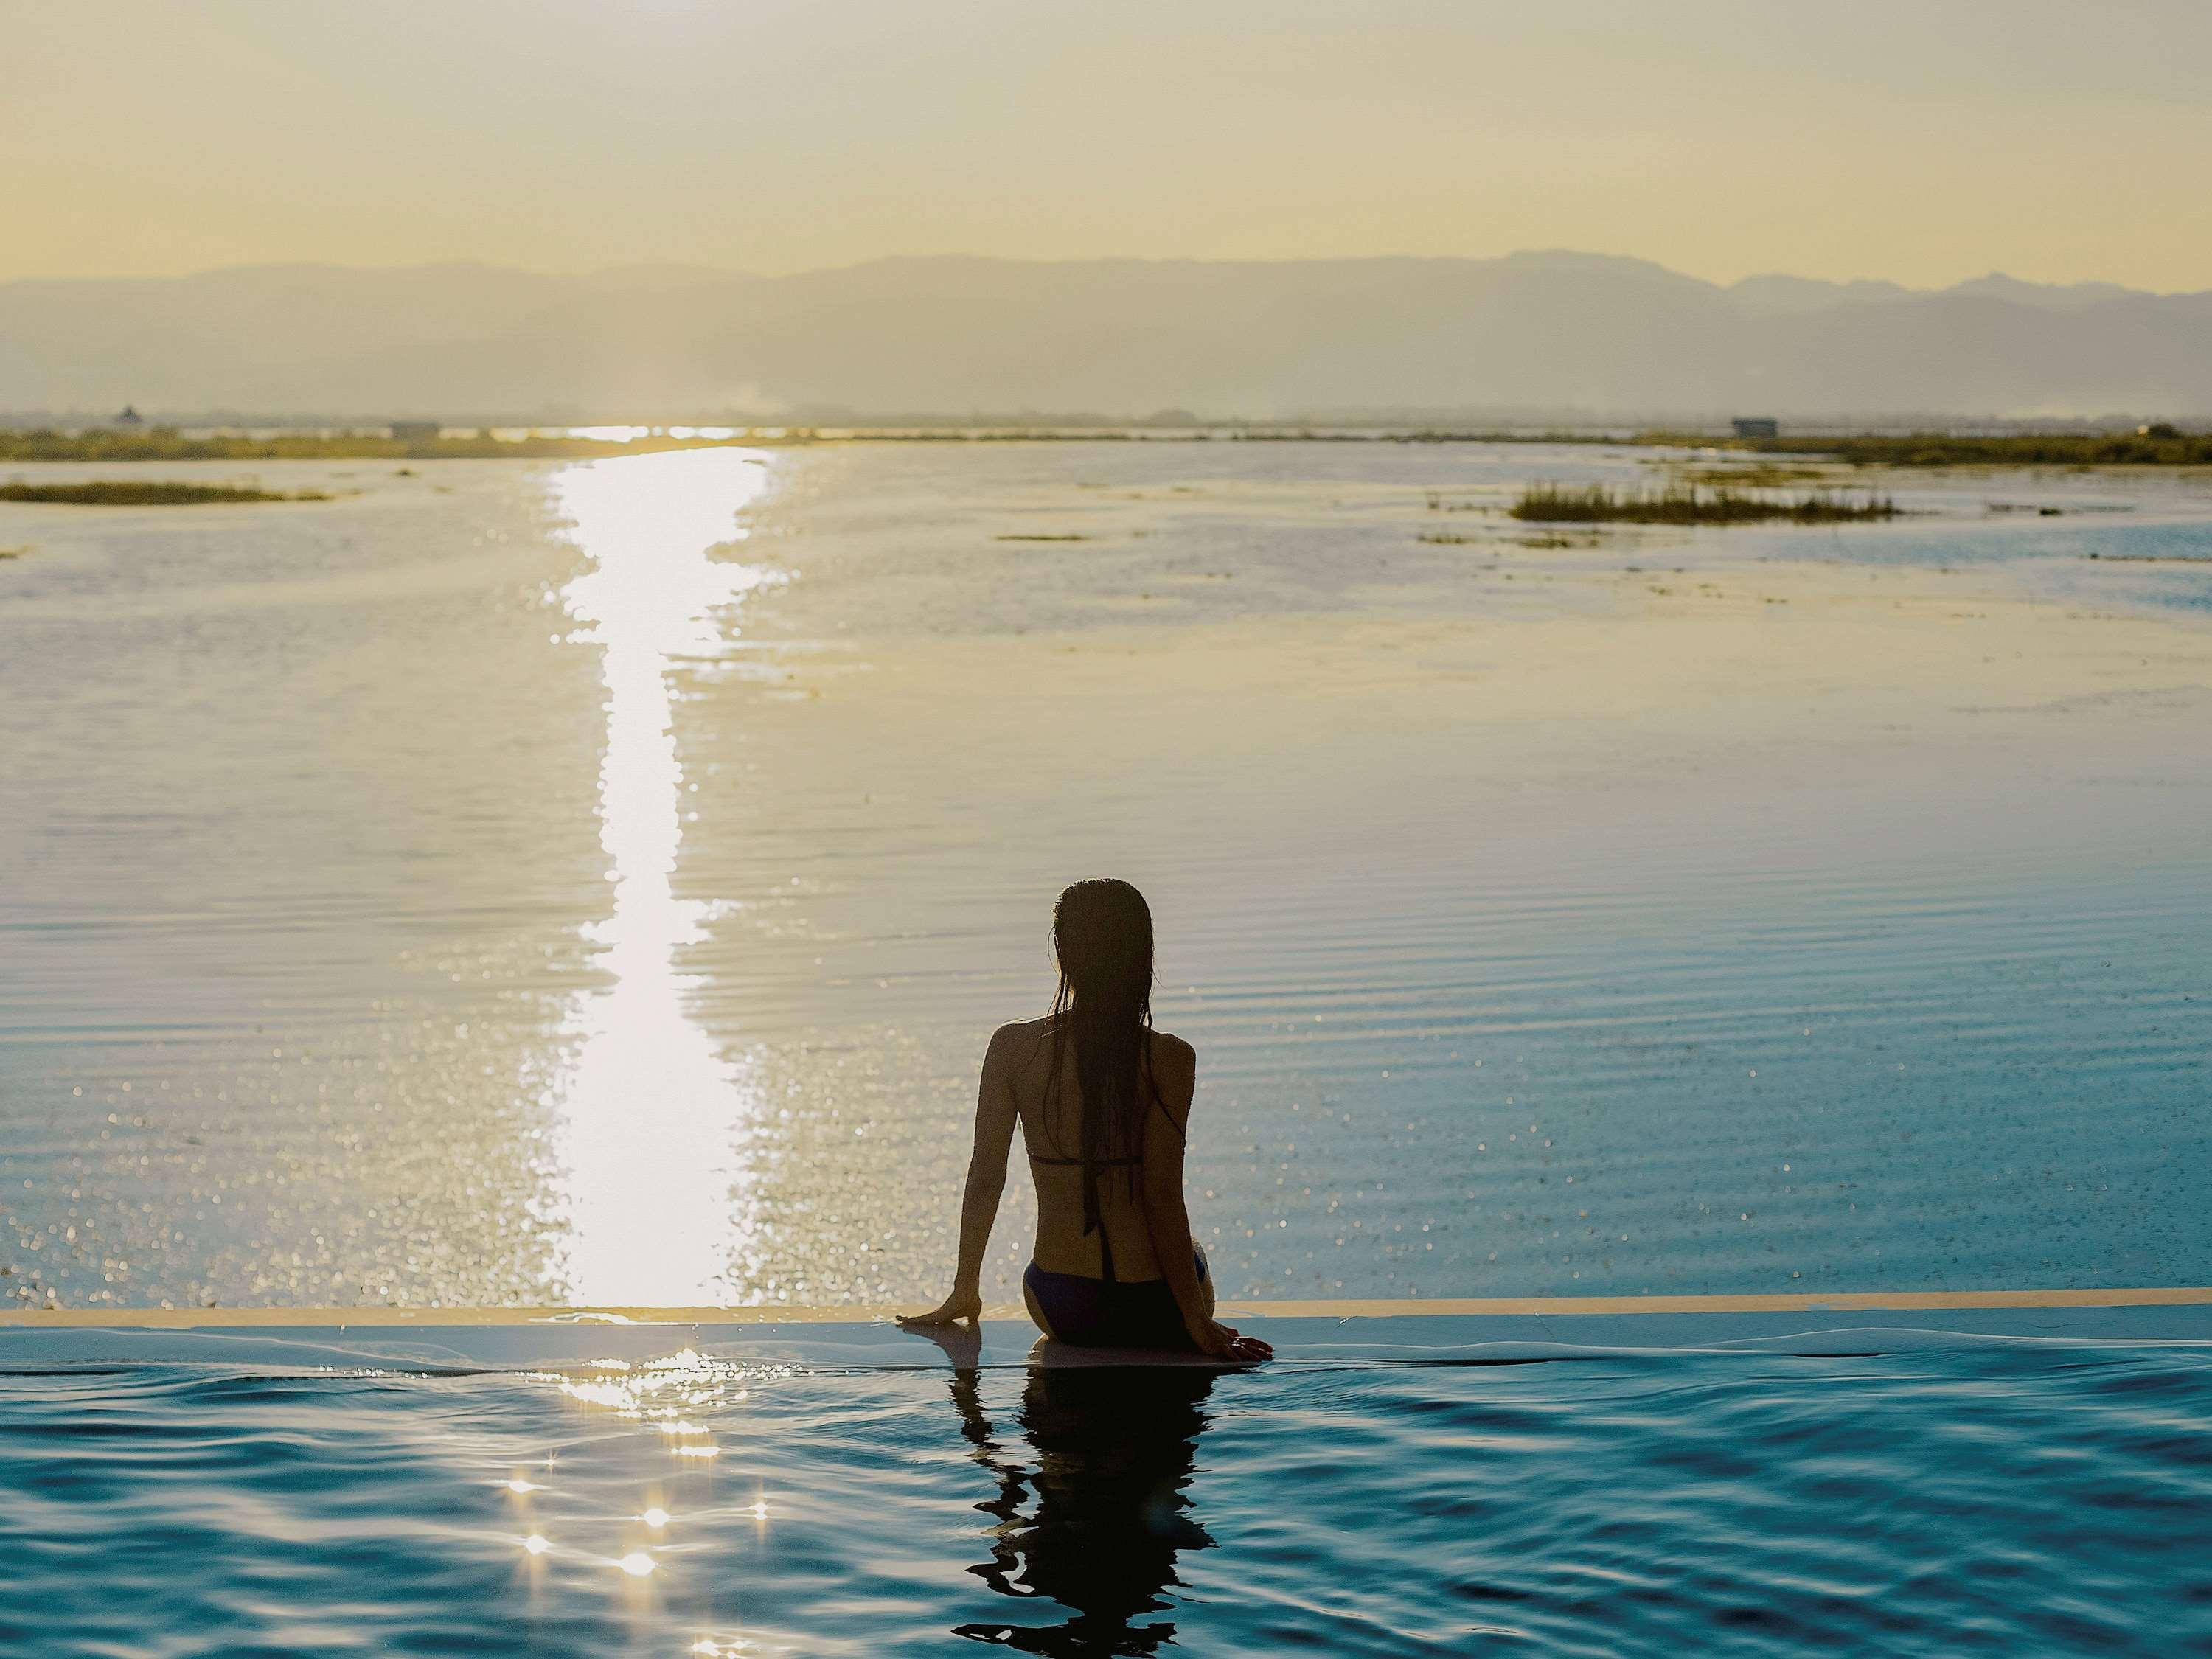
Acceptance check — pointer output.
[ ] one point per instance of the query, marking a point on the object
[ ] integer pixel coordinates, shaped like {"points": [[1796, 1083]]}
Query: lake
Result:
{"points": [[513, 881]]}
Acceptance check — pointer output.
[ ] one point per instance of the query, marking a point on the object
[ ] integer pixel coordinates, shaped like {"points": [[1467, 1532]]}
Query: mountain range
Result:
{"points": [[1124, 337]]}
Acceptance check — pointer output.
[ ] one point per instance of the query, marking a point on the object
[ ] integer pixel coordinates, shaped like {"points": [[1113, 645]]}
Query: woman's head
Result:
{"points": [[1102, 931]]}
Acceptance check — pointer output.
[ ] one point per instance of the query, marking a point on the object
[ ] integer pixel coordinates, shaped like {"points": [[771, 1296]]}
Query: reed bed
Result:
{"points": [[153, 492], [1682, 503], [2158, 445]]}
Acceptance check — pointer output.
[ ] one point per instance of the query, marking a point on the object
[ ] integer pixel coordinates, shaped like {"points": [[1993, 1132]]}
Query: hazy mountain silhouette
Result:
{"points": [[1125, 336]]}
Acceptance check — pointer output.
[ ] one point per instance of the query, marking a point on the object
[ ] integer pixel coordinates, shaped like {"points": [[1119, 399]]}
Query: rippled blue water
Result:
{"points": [[1994, 1497], [514, 883]]}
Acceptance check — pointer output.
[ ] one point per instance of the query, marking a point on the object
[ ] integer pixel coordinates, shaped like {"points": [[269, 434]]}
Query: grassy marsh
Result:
{"points": [[1549, 503], [153, 492], [2163, 446], [1760, 475]]}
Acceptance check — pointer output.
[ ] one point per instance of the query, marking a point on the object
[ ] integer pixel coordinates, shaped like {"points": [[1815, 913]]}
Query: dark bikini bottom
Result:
{"points": [[1093, 1314]]}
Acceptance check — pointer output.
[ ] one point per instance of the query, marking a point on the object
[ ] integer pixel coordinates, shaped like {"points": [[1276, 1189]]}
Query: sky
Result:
{"points": [[1925, 142]]}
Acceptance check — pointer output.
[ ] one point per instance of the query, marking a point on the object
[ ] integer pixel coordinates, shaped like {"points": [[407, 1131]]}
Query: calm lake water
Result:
{"points": [[513, 881], [1999, 1497]]}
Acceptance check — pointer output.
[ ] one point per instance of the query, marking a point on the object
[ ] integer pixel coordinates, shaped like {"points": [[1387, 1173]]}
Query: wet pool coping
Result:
{"points": [[1382, 1331]]}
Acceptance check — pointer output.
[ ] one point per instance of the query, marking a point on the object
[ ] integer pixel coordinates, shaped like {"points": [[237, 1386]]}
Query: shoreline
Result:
{"points": [[2085, 449]]}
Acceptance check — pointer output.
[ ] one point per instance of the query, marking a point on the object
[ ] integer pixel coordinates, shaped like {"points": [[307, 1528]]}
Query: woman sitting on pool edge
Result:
{"points": [[1103, 1102]]}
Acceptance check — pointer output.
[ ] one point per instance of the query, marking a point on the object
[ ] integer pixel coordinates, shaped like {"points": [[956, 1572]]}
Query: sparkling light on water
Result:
{"points": [[656, 1201]]}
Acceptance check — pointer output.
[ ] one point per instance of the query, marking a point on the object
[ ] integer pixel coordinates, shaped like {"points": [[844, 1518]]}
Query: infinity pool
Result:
{"points": [[1892, 1490]]}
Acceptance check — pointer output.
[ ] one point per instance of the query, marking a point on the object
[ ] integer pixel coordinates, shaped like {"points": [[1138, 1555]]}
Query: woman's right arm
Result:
{"points": [[995, 1117], [1175, 1072]]}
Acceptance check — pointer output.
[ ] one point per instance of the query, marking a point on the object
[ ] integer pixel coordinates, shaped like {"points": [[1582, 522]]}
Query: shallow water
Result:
{"points": [[520, 882], [1992, 1496]]}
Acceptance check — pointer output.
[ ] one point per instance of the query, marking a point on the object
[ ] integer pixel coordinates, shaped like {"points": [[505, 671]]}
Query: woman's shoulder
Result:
{"points": [[1170, 1050], [1018, 1039]]}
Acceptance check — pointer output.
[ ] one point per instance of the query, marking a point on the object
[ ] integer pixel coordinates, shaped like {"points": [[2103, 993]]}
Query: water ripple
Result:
{"points": [[2014, 1496]]}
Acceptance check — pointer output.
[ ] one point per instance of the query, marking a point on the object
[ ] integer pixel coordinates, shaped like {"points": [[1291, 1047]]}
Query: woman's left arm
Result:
{"points": [[987, 1180]]}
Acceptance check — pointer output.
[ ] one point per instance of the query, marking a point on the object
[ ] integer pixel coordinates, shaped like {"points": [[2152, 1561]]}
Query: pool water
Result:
{"points": [[1899, 1493]]}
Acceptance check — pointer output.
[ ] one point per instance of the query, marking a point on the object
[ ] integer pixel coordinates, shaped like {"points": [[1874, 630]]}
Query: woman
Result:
{"points": [[1103, 1102]]}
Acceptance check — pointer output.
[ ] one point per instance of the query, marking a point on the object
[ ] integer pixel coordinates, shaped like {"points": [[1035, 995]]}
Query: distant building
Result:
{"points": [[416, 432], [1756, 426], [130, 417]]}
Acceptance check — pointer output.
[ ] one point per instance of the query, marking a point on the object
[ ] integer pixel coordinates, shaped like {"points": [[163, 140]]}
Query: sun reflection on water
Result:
{"points": [[657, 1204]]}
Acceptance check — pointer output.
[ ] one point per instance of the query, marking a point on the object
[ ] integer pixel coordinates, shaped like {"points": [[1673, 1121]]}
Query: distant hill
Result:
{"points": [[1119, 336]]}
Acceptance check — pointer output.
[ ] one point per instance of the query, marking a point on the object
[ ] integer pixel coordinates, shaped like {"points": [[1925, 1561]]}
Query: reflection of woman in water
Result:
{"points": [[1103, 1102], [1113, 1449]]}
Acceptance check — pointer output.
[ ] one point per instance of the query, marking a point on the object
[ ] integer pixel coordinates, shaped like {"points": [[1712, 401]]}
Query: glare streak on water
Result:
{"points": [[654, 1205], [2013, 1497]]}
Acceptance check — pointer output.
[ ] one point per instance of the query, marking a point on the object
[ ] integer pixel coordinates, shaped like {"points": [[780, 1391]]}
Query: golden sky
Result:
{"points": [[1924, 143]]}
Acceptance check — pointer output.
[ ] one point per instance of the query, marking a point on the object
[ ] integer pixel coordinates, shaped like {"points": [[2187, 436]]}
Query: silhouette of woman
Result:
{"points": [[1103, 1102]]}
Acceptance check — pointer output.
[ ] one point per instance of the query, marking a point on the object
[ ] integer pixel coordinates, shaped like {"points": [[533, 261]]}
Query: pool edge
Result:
{"points": [[1837, 1302]]}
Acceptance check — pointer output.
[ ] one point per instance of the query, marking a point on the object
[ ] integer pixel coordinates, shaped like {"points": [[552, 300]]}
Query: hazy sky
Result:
{"points": [[1924, 141]]}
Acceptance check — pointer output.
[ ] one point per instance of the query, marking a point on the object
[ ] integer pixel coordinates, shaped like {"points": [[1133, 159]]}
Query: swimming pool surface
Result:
{"points": [[1390, 1486]]}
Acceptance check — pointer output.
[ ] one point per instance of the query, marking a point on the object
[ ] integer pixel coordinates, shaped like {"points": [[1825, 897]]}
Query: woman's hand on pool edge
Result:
{"points": [[961, 1305], [1220, 1341]]}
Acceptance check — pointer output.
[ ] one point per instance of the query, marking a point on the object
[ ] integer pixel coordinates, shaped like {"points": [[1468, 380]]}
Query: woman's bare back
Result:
{"points": [[1052, 1132]]}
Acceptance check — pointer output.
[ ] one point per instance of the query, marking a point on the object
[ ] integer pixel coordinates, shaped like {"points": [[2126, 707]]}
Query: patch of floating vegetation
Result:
{"points": [[1545, 503], [1044, 539], [1763, 475], [2150, 558], [1447, 539], [1438, 504], [15, 552], [129, 492]]}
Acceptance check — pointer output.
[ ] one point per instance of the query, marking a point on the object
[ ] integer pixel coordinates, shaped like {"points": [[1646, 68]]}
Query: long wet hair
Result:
{"points": [[1102, 931]]}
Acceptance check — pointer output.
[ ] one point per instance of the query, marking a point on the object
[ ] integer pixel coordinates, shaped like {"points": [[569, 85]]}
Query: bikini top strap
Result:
{"points": [[1093, 1217]]}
